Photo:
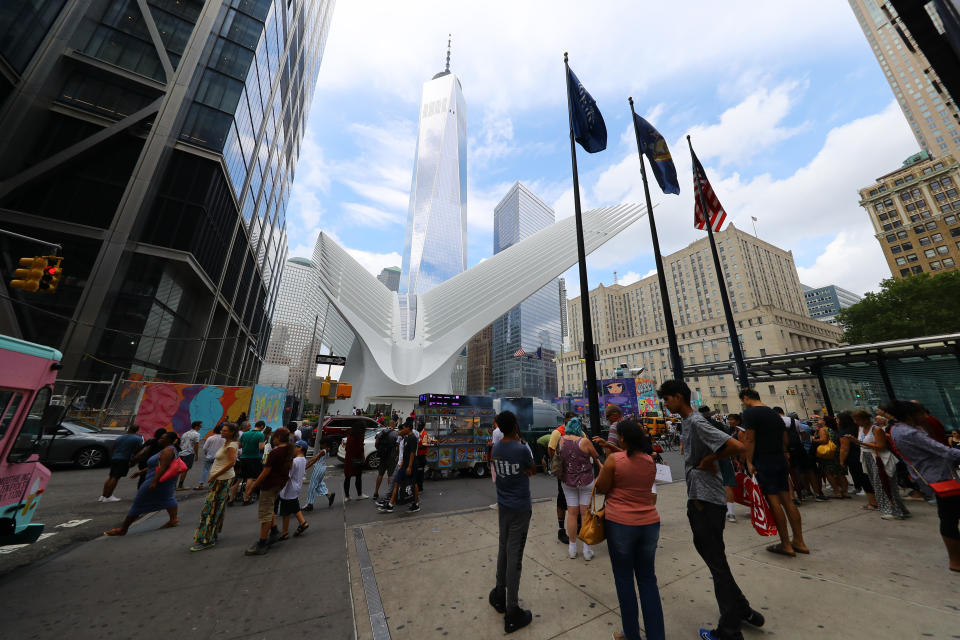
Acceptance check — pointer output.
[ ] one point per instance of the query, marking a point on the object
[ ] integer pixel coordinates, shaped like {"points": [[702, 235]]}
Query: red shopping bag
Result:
{"points": [[740, 494], [760, 515]]}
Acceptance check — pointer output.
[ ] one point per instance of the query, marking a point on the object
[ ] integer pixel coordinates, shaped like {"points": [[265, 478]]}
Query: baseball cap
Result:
{"points": [[302, 444]]}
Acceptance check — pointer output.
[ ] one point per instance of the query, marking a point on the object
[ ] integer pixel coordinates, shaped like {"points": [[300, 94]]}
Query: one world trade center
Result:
{"points": [[435, 249]]}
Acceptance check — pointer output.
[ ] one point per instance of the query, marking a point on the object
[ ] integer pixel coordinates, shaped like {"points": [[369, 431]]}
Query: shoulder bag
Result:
{"points": [[556, 462], [176, 467], [943, 489], [591, 531]]}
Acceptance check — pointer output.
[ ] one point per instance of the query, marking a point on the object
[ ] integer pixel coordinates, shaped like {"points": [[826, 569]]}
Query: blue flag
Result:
{"points": [[588, 127], [655, 148]]}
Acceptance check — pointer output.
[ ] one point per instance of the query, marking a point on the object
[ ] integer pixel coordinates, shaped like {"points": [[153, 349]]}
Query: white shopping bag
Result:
{"points": [[664, 474]]}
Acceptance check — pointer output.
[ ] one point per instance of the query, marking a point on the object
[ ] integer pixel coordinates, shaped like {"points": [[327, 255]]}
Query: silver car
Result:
{"points": [[81, 445]]}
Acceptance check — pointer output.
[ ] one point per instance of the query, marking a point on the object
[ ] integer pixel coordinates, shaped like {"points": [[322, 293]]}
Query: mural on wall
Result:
{"points": [[647, 401], [174, 406], [267, 405]]}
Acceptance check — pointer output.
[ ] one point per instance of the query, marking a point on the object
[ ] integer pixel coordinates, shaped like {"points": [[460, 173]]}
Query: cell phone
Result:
{"points": [[741, 428]]}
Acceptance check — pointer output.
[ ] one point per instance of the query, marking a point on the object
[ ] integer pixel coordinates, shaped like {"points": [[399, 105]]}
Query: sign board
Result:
{"points": [[340, 361]]}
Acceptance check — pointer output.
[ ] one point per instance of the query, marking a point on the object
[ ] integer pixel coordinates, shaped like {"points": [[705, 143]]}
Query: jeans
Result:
{"points": [[513, 538], [205, 469], [632, 552], [707, 522]]}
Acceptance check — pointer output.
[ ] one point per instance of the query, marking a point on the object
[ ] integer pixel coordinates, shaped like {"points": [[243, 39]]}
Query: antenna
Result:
{"points": [[615, 277], [449, 38]]}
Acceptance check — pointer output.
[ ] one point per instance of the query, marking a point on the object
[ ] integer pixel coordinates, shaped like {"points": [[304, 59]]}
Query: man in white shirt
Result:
{"points": [[189, 448]]}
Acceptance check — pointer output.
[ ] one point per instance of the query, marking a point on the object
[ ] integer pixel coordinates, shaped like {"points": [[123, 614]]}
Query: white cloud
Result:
{"points": [[843, 261], [375, 262], [367, 216]]}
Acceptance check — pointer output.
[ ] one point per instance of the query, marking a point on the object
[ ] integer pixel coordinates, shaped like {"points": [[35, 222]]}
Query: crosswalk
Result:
{"points": [[43, 536]]}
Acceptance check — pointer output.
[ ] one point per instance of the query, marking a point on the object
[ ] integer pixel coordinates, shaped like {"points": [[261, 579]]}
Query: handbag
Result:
{"points": [[760, 515], [556, 462], [943, 489], [827, 451], [591, 531], [176, 467]]}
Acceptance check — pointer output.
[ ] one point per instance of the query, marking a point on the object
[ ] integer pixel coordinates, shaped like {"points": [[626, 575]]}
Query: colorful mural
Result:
{"points": [[267, 405], [647, 401], [174, 406]]}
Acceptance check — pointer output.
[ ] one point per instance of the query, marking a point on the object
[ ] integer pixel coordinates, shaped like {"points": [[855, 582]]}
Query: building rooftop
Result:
{"points": [[301, 261]]}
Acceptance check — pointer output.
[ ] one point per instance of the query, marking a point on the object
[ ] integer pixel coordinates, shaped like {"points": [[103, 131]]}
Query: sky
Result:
{"points": [[787, 108]]}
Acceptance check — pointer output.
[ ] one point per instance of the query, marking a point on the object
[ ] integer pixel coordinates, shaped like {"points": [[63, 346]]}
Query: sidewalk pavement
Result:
{"points": [[428, 577]]}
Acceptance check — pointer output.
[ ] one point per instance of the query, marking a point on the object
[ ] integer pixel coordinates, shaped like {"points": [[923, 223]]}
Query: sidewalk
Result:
{"points": [[865, 578]]}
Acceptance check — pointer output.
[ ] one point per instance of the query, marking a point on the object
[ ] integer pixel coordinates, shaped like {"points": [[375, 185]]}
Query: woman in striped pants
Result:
{"points": [[317, 486]]}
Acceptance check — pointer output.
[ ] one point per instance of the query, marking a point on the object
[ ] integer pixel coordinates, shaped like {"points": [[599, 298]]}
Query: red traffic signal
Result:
{"points": [[50, 277]]}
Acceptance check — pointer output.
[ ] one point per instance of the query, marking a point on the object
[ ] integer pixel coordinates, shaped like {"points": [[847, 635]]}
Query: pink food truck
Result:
{"points": [[27, 374]]}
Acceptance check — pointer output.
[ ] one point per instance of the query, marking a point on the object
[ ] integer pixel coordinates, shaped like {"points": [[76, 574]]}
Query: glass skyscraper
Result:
{"points": [[435, 249], [157, 142], [533, 326]]}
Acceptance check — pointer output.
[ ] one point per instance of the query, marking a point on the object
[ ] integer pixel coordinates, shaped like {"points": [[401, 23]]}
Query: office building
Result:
{"points": [[564, 329], [435, 249], [914, 211], [156, 141], [390, 277], [824, 303], [480, 362], [304, 325], [768, 306], [926, 103], [527, 339]]}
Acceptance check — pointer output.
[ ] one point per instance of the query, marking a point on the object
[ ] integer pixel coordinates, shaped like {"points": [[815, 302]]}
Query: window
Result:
{"points": [[931, 225], [936, 237], [948, 263], [772, 389], [904, 272], [763, 352], [951, 193], [924, 241], [912, 257], [945, 208], [955, 232], [907, 246], [9, 400], [935, 265], [914, 217], [950, 220], [902, 235], [897, 224], [934, 186], [946, 181], [917, 269], [901, 261], [930, 253], [32, 429], [918, 229], [943, 250], [895, 249]]}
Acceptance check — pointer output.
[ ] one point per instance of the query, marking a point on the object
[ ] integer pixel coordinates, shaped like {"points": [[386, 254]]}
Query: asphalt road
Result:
{"points": [[149, 584]]}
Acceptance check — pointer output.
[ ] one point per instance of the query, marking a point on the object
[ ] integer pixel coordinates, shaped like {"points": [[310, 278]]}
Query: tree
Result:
{"points": [[920, 305]]}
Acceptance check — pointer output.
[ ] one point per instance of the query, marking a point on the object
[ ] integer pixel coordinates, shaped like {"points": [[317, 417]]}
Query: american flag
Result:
{"points": [[717, 215], [519, 353]]}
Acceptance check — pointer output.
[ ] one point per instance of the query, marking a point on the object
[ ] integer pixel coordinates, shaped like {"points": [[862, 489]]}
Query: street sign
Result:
{"points": [[339, 361]]}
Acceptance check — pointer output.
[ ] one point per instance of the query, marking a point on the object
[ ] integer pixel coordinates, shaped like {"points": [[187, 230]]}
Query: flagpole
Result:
{"points": [[675, 360], [588, 354], [742, 379]]}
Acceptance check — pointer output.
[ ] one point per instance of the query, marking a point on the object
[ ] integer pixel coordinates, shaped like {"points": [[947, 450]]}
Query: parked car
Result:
{"points": [[81, 445], [370, 457], [336, 428]]}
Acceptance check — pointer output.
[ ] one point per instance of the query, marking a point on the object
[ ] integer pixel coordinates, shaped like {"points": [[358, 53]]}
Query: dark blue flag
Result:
{"points": [[655, 148], [539, 353], [588, 127]]}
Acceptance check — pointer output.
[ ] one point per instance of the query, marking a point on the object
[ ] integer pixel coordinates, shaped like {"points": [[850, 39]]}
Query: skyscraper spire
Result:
{"points": [[449, 38]]}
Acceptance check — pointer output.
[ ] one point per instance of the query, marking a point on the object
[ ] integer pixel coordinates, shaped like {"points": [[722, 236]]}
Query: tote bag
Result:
{"points": [[591, 531], [760, 515]]}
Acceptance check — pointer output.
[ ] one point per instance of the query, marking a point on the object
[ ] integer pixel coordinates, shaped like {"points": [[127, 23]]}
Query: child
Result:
{"points": [[289, 504], [317, 486]]}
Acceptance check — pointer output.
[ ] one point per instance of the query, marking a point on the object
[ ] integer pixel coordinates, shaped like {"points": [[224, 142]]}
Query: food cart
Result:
{"points": [[460, 428]]}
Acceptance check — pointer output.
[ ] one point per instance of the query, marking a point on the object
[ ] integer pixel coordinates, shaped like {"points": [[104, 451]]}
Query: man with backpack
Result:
{"points": [[404, 473], [386, 446]]}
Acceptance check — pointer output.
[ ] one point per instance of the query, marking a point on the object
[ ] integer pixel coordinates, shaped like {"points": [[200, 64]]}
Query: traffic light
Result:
{"points": [[325, 388], [344, 390], [51, 274], [858, 393], [28, 277]]}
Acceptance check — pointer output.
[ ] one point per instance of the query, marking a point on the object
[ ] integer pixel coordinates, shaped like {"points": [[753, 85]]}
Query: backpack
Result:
{"points": [[793, 437]]}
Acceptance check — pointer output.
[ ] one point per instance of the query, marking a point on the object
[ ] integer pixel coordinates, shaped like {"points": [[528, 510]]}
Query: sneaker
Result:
{"points": [[385, 508], [821, 498], [376, 496], [572, 551], [330, 499], [498, 603], [383, 502], [202, 547], [112, 499], [755, 618], [362, 496], [101, 499], [707, 634], [588, 553], [516, 619], [346, 498], [861, 493], [562, 537], [890, 516], [309, 507], [257, 549], [731, 518], [415, 507]]}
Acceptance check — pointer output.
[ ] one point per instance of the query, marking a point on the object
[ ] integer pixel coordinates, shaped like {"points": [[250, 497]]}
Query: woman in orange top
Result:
{"points": [[632, 527]]}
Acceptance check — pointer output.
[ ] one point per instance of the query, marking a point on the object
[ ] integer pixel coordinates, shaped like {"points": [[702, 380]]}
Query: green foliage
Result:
{"points": [[920, 305]]}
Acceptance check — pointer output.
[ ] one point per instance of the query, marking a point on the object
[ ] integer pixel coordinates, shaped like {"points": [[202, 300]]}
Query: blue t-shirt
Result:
{"points": [[125, 446], [511, 460]]}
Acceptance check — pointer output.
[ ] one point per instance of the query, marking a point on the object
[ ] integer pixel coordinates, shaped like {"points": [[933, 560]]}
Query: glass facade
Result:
{"points": [[191, 290], [535, 324], [436, 244], [824, 303]]}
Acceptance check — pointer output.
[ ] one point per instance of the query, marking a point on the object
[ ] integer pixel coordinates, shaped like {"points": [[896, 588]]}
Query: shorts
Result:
{"points": [[772, 474], [801, 460], [385, 464], [577, 495], [288, 507], [188, 460], [728, 472], [265, 506], [119, 468], [399, 475], [250, 468]]}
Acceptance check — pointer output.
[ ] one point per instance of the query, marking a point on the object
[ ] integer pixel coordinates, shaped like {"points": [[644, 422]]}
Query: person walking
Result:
{"points": [[317, 486], [578, 455], [766, 443], [209, 448], [703, 445], [289, 503], [121, 457], [928, 462], [386, 447], [147, 451], [189, 449], [632, 528], [614, 415], [220, 478], [552, 446], [251, 456], [514, 464], [274, 476], [404, 472], [849, 453], [880, 466], [836, 476], [353, 463], [154, 495]]}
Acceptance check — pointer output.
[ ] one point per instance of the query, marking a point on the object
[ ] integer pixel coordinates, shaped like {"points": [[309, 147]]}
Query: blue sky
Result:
{"points": [[787, 107]]}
